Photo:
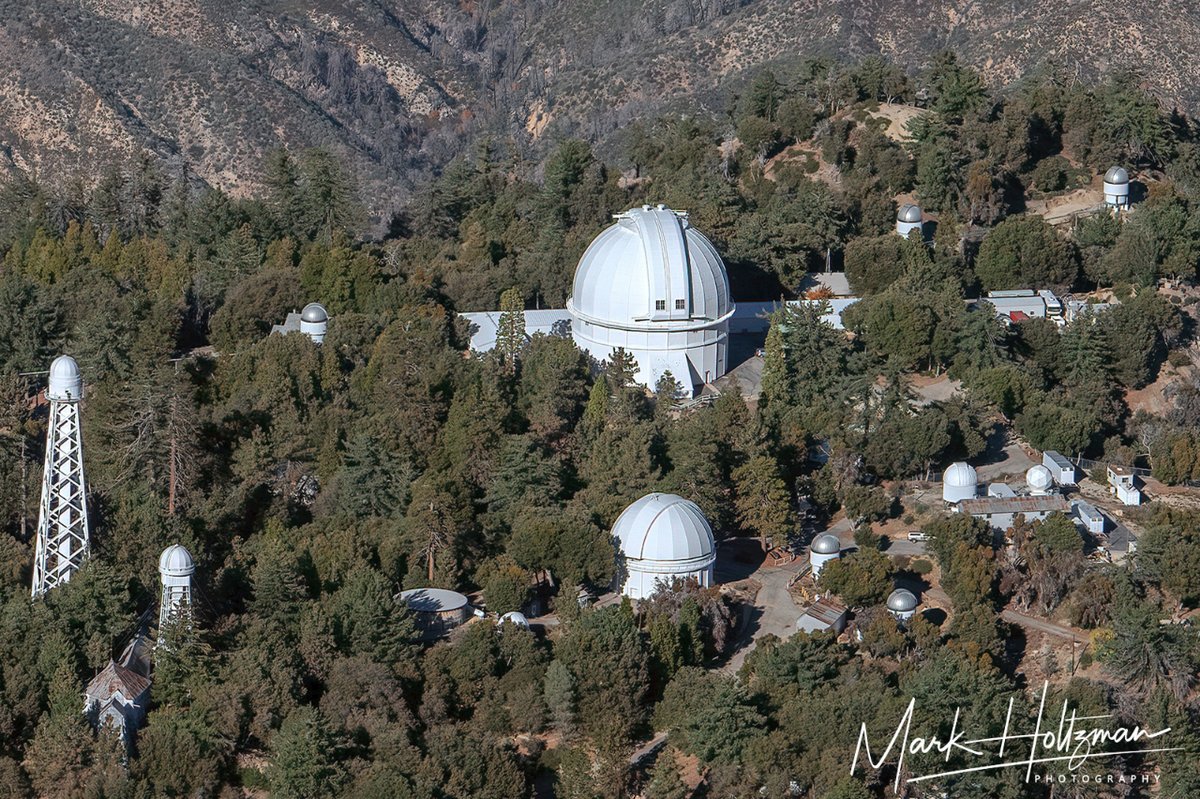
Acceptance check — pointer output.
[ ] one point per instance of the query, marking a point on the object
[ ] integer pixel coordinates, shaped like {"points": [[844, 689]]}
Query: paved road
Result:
{"points": [[1043, 626], [777, 612], [647, 749], [905, 547]]}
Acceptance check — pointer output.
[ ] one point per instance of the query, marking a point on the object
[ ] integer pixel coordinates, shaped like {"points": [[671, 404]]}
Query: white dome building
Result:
{"points": [[655, 286], [314, 320], [1039, 480], [908, 219], [664, 537], [175, 570], [1116, 187], [66, 381], [823, 549], [959, 482], [902, 604]]}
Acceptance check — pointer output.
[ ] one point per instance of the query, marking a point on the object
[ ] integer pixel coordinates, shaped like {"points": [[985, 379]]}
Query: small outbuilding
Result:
{"points": [[436, 611], [1061, 469], [1116, 188], [1089, 517], [824, 615], [1122, 483]]}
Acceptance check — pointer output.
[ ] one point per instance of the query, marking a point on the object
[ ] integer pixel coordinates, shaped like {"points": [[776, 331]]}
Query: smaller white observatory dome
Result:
{"points": [[1116, 187], [902, 604], [664, 537], [1039, 479], [959, 482], [66, 381], [176, 561], [908, 219], [516, 617], [314, 320], [824, 548]]}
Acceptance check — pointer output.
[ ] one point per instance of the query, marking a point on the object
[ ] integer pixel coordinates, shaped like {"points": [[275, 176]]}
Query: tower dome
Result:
{"points": [[824, 548], [664, 537], [902, 603], [655, 286], [1039, 479], [1116, 187], [66, 381], [908, 219], [314, 320], [176, 561], [959, 482]]}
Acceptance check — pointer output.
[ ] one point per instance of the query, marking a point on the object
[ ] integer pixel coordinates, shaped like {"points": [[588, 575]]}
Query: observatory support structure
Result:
{"points": [[62, 532]]}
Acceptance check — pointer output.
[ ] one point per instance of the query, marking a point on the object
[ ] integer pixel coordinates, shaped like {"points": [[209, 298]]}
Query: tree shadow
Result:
{"points": [[737, 559]]}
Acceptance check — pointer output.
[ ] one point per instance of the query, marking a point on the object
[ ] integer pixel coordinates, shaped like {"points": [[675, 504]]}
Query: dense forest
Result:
{"points": [[313, 483]]}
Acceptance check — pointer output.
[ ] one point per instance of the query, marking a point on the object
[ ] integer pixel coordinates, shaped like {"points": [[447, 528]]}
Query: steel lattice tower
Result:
{"points": [[62, 532]]}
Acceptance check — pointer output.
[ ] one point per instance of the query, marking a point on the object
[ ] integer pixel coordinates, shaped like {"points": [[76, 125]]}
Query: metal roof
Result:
{"points": [[432, 600], [1116, 175], [826, 612], [986, 506]]}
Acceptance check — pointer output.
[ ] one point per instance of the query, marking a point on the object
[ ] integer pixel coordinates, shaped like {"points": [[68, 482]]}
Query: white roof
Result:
{"points": [[66, 382], [651, 256], [664, 527], [902, 600], [484, 325], [176, 561], [960, 475], [1038, 478], [432, 600]]}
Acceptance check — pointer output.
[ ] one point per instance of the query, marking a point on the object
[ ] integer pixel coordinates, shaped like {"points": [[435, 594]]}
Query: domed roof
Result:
{"points": [[66, 381], [314, 312], [909, 213], [826, 544], [664, 527], [1038, 478], [960, 475], [1116, 175], [176, 561], [902, 600], [516, 617], [649, 271]]}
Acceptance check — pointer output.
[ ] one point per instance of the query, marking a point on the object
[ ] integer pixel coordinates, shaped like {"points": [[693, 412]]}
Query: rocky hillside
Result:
{"points": [[397, 87]]}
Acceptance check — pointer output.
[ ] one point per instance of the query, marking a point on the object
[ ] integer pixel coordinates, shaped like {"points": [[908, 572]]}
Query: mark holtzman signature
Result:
{"points": [[1068, 743]]}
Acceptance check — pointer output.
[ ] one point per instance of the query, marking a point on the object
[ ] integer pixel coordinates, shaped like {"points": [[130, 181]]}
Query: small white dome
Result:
{"points": [[1116, 175], [66, 381], [902, 601], [516, 618], [651, 270], [314, 312], [664, 527], [909, 213], [1039, 478], [176, 561], [960, 475], [826, 544]]}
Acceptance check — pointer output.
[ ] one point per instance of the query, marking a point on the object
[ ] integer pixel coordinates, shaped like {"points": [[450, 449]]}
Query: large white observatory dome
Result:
{"points": [[654, 285], [66, 381], [664, 537], [959, 482], [1038, 479]]}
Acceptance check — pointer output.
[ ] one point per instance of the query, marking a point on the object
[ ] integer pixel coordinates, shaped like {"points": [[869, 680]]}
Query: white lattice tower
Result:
{"points": [[62, 532], [175, 570]]}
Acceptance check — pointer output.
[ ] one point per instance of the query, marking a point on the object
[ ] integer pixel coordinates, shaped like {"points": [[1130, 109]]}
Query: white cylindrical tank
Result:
{"points": [[959, 482], [1039, 480], [908, 219], [902, 604], [1116, 187], [663, 538], [66, 381], [314, 319], [824, 548]]}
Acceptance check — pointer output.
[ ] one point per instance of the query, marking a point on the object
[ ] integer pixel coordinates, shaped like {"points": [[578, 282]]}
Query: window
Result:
{"points": [[680, 305], [660, 305]]}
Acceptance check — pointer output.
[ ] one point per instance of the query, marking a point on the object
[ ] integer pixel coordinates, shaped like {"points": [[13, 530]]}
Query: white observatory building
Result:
{"points": [[175, 570], [1116, 188], [662, 538], [902, 604], [908, 219], [1039, 480], [313, 321], [824, 548], [62, 532], [655, 286], [959, 482]]}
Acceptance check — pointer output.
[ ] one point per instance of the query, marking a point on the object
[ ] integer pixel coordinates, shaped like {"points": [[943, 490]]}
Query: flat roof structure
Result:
{"points": [[986, 506]]}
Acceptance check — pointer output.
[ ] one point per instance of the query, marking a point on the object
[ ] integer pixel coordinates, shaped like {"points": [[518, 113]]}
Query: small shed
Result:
{"points": [[823, 615], [1123, 483], [1060, 468], [1089, 517]]}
